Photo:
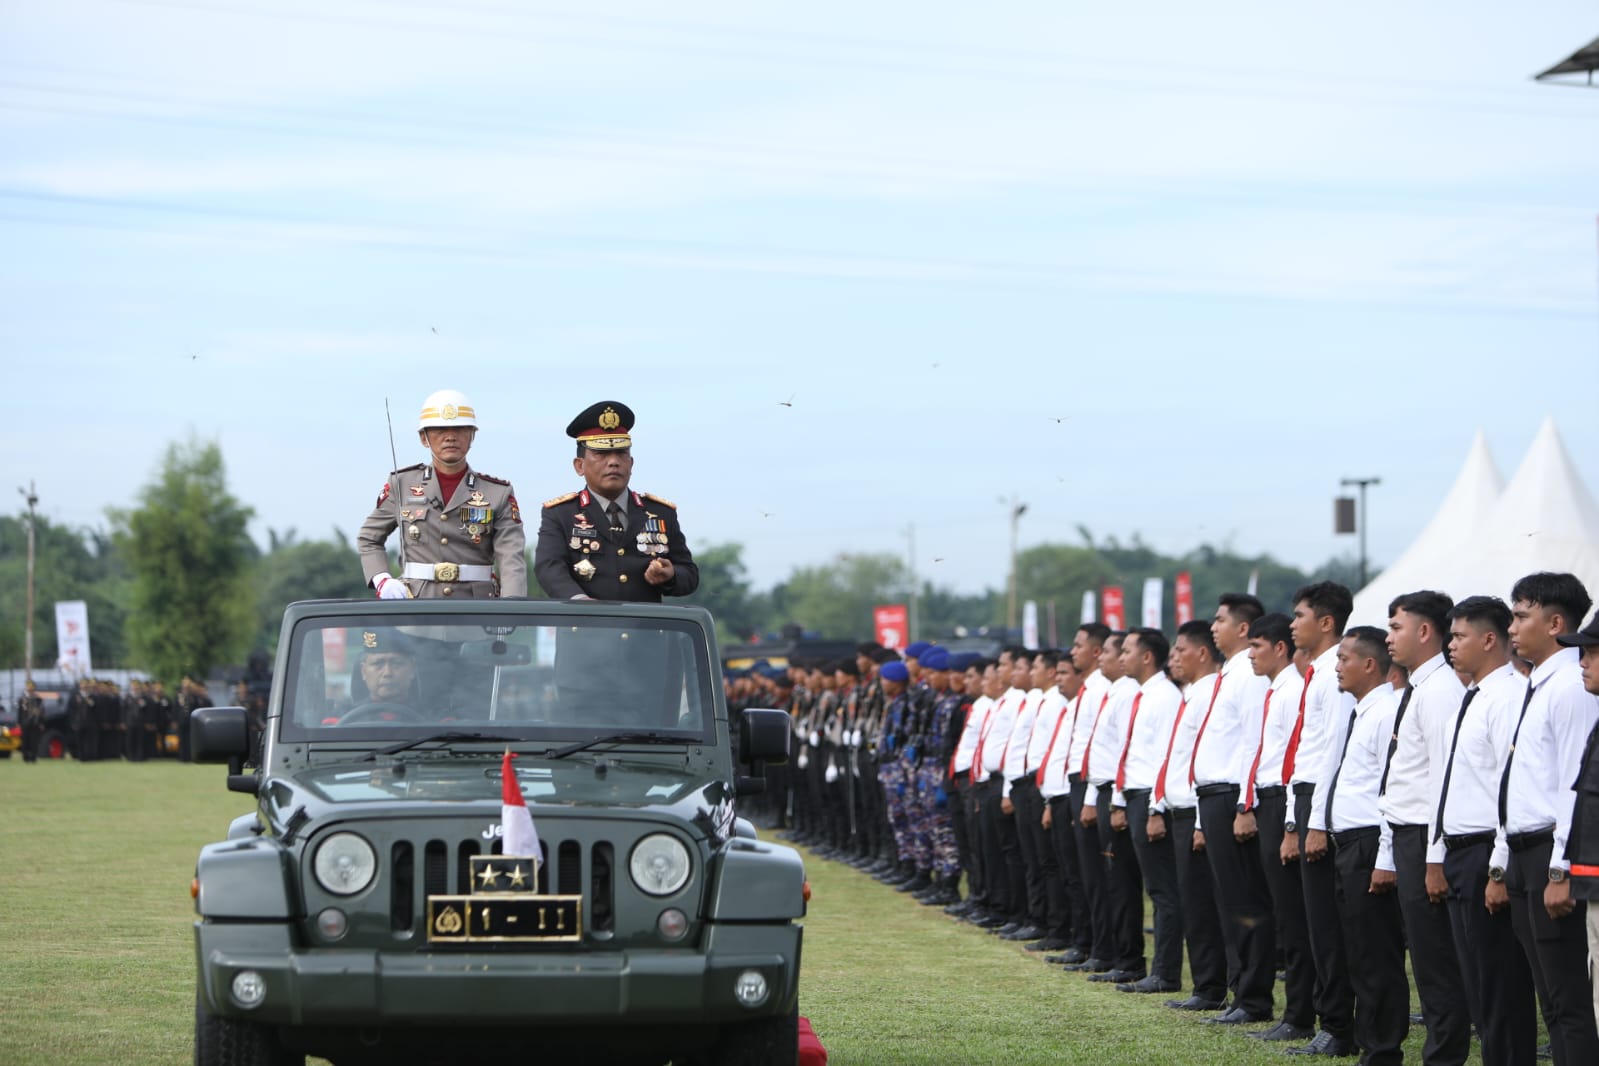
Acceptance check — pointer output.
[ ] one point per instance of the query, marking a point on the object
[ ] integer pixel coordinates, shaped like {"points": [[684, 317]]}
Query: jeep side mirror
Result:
{"points": [[767, 734], [222, 735]]}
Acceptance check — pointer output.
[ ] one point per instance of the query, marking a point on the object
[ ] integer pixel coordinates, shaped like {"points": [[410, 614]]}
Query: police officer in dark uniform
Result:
{"points": [[30, 716], [605, 541]]}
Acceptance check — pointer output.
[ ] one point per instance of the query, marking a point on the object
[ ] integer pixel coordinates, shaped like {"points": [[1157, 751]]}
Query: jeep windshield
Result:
{"points": [[391, 678]]}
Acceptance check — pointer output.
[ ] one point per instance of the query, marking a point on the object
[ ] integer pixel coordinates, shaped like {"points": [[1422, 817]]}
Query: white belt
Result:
{"points": [[448, 572]]}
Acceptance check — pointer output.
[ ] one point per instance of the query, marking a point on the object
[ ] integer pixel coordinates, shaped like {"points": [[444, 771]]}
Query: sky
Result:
{"points": [[865, 273]]}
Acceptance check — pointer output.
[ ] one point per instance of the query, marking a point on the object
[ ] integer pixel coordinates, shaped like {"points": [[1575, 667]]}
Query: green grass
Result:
{"points": [[97, 955]]}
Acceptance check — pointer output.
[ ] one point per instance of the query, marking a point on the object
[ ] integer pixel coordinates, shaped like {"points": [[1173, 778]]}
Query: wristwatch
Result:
{"points": [[1290, 827], [1556, 874], [1496, 874]]}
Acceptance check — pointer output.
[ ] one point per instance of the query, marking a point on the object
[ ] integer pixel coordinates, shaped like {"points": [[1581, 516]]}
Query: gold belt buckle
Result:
{"points": [[446, 572]]}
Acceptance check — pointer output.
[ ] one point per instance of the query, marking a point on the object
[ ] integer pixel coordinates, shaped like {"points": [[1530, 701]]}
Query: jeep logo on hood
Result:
{"points": [[493, 832]]}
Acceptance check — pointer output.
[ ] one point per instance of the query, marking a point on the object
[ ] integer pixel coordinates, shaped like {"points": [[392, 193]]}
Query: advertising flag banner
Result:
{"points": [[1030, 625], [1115, 615], [1154, 601], [72, 637], [1185, 597], [891, 621], [1090, 608]]}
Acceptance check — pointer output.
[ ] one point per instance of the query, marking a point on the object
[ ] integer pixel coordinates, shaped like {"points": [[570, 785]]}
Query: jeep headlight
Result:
{"points": [[345, 864], [659, 864]]}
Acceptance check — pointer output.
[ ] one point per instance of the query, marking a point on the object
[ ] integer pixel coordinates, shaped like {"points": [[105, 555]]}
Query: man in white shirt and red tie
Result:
{"points": [[1263, 811], [1087, 647], [1418, 628], [1020, 803], [1321, 610], [1077, 935], [1124, 888], [999, 830], [1493, 968], [1027, 797], [1535, 809], [1149, 730], [966, 786], [1362, 845]]}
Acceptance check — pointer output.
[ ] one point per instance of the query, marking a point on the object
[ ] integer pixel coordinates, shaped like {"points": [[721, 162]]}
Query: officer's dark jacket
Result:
{"points": [[1582, 846], [577, 553]]}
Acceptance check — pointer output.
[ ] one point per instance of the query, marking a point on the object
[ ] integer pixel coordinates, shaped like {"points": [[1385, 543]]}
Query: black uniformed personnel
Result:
{"points": [[606, 542], [30, 716]]}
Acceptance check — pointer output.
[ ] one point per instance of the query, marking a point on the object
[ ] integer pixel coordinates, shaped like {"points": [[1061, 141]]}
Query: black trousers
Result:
{"points": [[1557, 952], [1077, 929], [1124, 890], [1091, 865], [1207, 951], [1288, 903], [958, 788], [1244, 903], [1432, 953], [1032, 847], [1374, 936], [1157, 861], [1318, 882], [1493, 968], [977, 868], [1010, 849], [997, 829]]}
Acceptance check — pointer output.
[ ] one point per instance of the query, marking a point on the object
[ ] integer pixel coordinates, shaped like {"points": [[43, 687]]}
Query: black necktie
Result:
{"points": [[1504, 778], [1332, 787], [1449, 767], [614, 514], [1393, 741]]}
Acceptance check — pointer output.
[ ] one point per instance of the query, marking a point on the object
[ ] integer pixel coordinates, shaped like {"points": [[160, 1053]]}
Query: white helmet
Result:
{"points": [[447, 407]]}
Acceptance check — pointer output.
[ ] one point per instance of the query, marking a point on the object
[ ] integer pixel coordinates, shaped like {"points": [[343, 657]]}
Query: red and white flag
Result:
{"points": [[518, 837]]}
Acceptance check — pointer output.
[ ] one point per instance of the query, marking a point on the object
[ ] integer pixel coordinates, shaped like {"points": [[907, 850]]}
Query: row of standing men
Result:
{"points": [[1280, 787]]}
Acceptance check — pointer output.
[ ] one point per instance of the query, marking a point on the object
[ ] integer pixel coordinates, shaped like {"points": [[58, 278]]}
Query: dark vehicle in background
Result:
{"points": [[367, 912]]}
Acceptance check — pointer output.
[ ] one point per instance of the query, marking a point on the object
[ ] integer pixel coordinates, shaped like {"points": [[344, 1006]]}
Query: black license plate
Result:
{"points": [[502, 918]]}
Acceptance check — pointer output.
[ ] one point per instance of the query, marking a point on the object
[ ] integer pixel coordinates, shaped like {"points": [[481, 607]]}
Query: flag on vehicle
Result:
{"points": [[518, 837]]}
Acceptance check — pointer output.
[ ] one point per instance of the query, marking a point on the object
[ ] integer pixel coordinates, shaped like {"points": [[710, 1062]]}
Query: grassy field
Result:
{"points": [[97, 960]]}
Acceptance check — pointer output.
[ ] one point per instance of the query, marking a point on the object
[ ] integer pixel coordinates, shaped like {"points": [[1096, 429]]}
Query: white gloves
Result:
{"points": [[391, 588]]}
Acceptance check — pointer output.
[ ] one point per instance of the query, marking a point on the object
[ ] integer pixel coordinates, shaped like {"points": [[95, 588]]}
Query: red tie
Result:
{"points": [[952, 754], [1089, 747], [1058, 723], [1202, 724], [1254, 767], [1132, 722], [1299, 727], [1160, 779], [982, 738]]}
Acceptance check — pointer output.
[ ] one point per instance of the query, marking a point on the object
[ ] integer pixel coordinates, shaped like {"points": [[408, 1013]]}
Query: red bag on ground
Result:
{"points": [[811, 1051]]}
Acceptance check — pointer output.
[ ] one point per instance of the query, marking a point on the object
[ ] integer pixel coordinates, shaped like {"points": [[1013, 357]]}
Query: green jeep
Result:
{"points": [[366, 911]]}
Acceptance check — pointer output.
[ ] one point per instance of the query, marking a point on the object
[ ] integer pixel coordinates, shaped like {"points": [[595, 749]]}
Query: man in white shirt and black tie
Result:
{"points": [[1362, 843], [1535, 808], [1418, 628], [1493, 967]]}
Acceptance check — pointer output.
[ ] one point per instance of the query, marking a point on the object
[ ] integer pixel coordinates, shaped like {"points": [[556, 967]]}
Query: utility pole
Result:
{"points": [[27, 627], [1361, 523], [1016, 512], [914, 628]]}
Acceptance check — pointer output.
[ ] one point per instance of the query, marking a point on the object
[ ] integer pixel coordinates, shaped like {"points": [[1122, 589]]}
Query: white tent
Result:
{"points": [[1546, 519], [1434, 558]]}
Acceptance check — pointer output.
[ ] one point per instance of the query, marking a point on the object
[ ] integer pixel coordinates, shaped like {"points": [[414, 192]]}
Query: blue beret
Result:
{"points": [[915, 650], [895, 671], [963, 661], [935, 659]]}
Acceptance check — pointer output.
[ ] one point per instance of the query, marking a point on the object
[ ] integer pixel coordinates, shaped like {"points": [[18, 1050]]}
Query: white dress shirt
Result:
{"points": [[991, 744], [1149, 732], [1050, 705], [1355, 799], [976, 719], [1095, 694], [1548, 751], [1279, 711], [1021, 738], [1110, 734], [1321, 736], [1216, 748], [1176, 791], [1058, 765], [1416, 773], [1472, 805]]}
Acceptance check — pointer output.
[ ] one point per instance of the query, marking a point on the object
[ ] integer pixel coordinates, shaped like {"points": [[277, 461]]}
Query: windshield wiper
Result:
{"points": [[561, 753], [431, 738]]}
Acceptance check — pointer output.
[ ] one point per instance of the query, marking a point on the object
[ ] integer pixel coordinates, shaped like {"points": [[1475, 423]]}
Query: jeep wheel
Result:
{"points": [[768, 1042], [230, 1042]]}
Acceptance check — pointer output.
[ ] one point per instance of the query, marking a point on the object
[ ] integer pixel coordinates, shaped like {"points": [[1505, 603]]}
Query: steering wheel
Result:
{"points": [[378, 709]]}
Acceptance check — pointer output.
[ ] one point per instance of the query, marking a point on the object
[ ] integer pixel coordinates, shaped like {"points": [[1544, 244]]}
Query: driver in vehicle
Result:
{"points": [[388, 674]]}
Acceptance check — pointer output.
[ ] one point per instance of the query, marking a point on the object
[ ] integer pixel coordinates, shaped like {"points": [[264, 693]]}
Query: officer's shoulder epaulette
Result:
{"points": [[492, 479], [659, 499], [560, 499], [407, 469]]}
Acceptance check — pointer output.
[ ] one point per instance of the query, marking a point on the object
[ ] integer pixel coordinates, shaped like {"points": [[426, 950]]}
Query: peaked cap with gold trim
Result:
{"points": [[604, 427]]}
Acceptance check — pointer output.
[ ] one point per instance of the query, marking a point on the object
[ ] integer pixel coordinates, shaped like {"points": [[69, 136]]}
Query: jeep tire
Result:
{"points": [[230, 1042]]}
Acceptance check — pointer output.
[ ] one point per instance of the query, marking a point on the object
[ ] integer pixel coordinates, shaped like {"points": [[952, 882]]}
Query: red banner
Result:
{"points": [[1185, 598], [891, 622], [1110, 600]]}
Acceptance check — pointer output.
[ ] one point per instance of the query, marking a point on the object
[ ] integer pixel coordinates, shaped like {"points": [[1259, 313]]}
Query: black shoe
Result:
{"points": [[1150, 984], [1117, 977], [1006, 926], [1284, 1031], [960, 907], [1072, 956], [1026, 932], [1197, 1002], [917, 883], [1326, 1044], [1238, 1016], [1049, 943], [1088, 965]]}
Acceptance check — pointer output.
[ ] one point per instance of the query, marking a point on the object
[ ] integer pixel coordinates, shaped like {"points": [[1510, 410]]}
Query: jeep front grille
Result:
{"points": [[408, 894]]}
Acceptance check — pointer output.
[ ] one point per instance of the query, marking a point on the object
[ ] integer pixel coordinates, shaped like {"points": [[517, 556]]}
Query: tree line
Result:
{"points": [[176, 584]]}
